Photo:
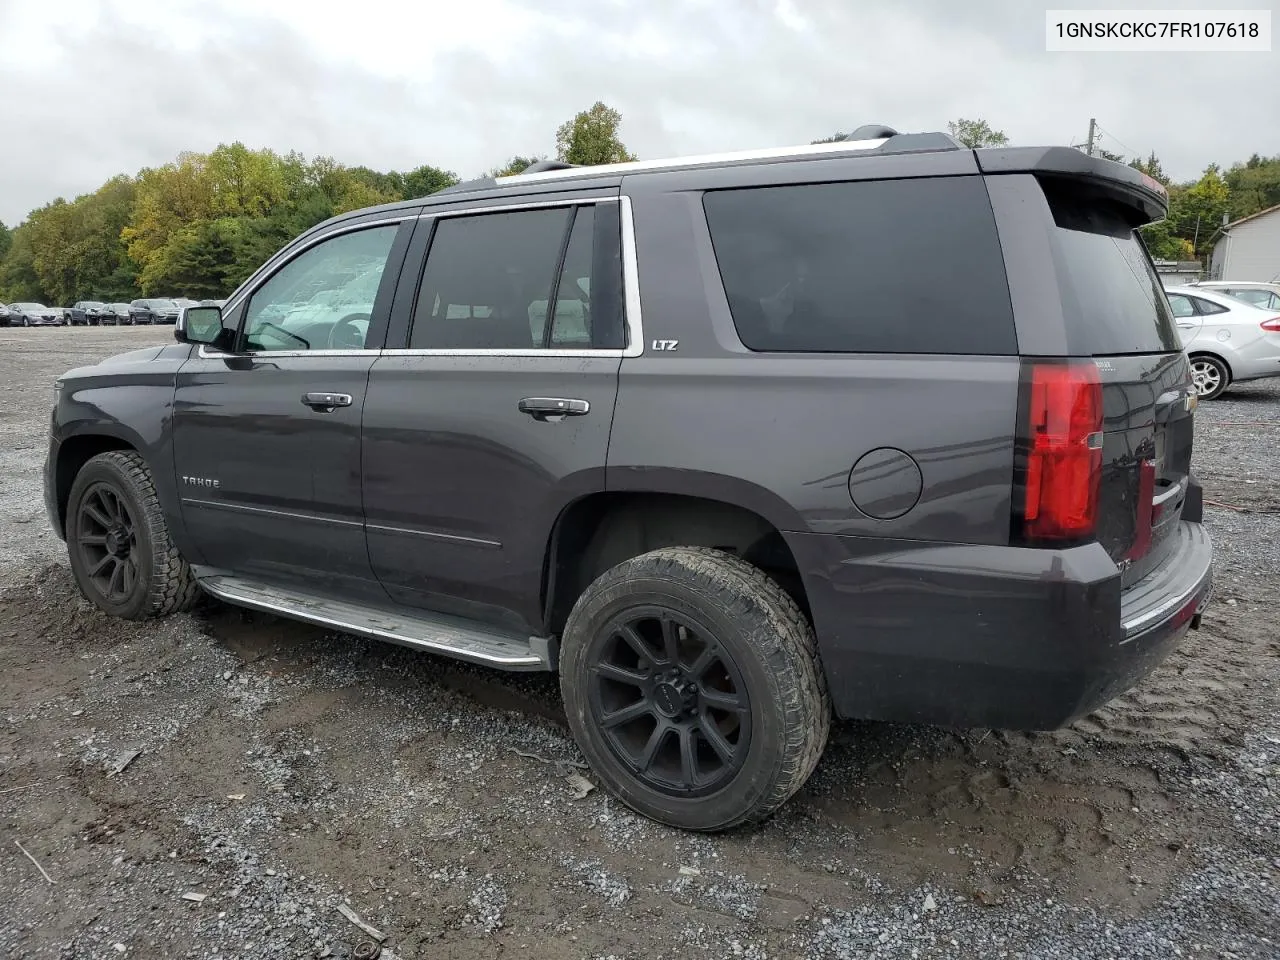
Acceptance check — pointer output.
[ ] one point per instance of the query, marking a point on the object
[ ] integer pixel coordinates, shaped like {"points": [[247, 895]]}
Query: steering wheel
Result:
{"points": [[346, 333]]}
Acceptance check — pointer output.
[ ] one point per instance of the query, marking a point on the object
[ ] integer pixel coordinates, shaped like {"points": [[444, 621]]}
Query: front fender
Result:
{"points": [[128, 400]]}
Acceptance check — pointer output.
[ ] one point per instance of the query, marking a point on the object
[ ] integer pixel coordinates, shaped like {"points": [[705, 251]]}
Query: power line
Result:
{"points": [[1118, 141]]}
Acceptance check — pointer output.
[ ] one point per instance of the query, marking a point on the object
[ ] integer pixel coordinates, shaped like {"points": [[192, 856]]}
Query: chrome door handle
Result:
{"points": [[543, 408], [326, 402]]}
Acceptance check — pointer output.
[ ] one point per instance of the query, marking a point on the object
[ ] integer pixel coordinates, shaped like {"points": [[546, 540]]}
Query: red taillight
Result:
{"points": [[1063, 444], [1272, 325]]}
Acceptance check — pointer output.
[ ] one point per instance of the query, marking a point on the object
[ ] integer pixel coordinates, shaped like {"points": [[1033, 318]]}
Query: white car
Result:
{"points": [[1256, 292], [1228, 340]]}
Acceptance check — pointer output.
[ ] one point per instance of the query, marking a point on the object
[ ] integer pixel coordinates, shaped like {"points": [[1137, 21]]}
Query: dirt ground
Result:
{"points": [[275, 772]]}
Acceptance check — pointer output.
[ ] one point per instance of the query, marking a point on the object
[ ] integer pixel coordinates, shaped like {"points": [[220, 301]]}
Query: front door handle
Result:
{"points": [[544, 408], [326, 402]]}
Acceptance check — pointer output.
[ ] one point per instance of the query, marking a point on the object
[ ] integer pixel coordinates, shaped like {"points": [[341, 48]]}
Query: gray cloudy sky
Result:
{"points": [[89, 89]]}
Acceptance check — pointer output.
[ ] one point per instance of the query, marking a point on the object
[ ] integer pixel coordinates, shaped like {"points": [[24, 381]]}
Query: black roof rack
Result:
{"points": [[871, 131], [911, 142], [539, 166], [480, 183]]}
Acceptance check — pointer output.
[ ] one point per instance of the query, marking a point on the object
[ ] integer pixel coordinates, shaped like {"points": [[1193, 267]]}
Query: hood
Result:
{"points": [[171, 351]]}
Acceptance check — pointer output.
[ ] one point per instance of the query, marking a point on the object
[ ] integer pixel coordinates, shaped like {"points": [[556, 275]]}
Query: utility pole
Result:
{"points": [[1093, 127]]}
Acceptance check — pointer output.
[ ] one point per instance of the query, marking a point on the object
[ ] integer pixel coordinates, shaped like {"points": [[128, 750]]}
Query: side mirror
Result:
{"points": [[200, 325]]}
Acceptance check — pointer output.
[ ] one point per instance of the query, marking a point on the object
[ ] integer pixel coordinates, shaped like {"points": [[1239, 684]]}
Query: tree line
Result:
{"points": [[198, 226]]}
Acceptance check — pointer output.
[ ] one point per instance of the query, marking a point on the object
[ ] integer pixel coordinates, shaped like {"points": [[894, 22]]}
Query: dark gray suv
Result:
{"points": [[885, 428]]}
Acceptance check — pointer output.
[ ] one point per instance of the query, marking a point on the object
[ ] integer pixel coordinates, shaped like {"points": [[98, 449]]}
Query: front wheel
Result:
{"points": [[1210, 376], [692, 684], [118, 541]]}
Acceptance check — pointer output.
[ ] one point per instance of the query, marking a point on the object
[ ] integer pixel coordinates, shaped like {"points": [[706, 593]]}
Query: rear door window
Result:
{"points": [[1112, 299], [887, 266], [1181, 306]]}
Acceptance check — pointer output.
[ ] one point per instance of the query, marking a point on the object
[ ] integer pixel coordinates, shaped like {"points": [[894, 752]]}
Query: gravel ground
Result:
{"points": [[284, 772]]}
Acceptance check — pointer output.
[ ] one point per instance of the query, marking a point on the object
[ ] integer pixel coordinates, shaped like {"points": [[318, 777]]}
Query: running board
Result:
{"points": [[421, 630]]}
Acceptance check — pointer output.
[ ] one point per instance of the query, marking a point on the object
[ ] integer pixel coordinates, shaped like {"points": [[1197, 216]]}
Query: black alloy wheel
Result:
{"points": [[670, 701], [107, 538]]}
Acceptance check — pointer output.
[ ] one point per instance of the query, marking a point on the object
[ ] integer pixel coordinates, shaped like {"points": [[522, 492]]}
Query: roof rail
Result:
{"points": [[885, 140]]}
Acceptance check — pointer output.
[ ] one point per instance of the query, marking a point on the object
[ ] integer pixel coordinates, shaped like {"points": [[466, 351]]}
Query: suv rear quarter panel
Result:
{"points": [[789, 427], [780, 433]]}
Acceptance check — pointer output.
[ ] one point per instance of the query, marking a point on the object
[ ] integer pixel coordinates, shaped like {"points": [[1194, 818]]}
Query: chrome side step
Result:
{"points": [[420, 630]]}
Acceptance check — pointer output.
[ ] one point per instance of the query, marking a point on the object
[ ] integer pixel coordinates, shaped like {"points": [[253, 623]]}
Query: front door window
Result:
{"points": [[323, 298]]}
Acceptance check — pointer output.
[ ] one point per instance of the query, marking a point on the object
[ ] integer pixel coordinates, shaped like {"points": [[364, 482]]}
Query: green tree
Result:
{"points": [[201, 260], [1254, 186], [1151, 167], [243, 182], [835, 138], [515, 165], [1164, 244], [18, 277], [6, 240], [425, 180], [976, 133], [1198, 210], [591, 137]]}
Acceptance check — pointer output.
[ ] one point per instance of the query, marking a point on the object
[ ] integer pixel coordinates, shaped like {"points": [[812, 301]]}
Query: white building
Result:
{"points": [[1249, 249]]}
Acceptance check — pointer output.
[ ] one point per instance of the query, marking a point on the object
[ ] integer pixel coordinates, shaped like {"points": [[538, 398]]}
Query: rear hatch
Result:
{"points": [[1123, 353]]}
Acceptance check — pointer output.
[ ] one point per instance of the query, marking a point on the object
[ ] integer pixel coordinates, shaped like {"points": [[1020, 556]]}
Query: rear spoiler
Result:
{"points": [[1123, 183]]}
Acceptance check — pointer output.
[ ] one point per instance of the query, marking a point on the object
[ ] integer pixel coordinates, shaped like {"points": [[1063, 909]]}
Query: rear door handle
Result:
{"points": [[543, 408], [326, 402]]}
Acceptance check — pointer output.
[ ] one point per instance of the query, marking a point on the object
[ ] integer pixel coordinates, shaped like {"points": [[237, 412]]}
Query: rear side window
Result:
{"points": [[1112, 299], [1208, 306], [889, 266]]}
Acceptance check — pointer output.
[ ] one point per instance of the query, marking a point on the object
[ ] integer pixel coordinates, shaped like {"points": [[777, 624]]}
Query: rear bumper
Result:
{"points": [[988, 636]]}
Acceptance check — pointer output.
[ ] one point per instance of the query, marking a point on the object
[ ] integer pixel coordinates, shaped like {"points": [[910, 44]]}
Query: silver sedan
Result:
{"points": [[1228, 340]]}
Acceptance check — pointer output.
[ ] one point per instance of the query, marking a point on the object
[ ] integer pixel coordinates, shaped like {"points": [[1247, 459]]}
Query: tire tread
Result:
{"points": [[173, 587], [788, 647]]}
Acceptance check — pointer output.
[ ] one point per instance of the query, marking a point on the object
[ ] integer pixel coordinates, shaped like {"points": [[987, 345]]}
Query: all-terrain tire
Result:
{"points": [[164, 584], [773, 646]]}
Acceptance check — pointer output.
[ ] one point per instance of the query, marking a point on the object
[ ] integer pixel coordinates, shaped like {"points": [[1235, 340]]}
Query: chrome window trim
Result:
{"points": [[206, 354], [676, 163], [630, 290], [473, 209]]}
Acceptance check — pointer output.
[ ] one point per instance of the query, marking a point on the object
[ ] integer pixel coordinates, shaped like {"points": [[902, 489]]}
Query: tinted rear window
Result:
{"points": [[1112, 299], [888, 266]]}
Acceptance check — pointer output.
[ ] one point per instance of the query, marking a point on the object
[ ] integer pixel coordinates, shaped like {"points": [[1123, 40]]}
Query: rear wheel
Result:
{"points": [[1211, 376], [692, 684], [118, 541]]}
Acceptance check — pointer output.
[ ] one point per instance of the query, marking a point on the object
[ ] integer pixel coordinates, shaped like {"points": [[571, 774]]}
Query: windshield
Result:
{"points": [[30, 306]]}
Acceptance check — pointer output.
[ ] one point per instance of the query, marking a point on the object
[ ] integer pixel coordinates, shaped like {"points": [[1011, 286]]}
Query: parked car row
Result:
{"points": [[93, 313]]}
